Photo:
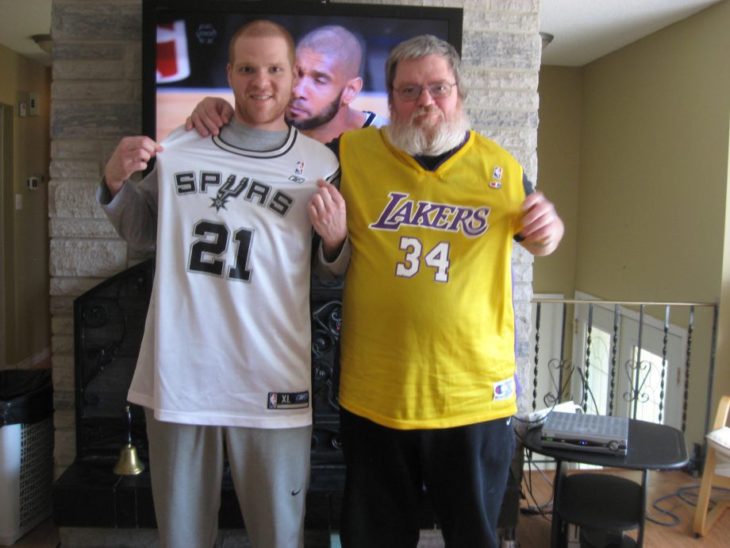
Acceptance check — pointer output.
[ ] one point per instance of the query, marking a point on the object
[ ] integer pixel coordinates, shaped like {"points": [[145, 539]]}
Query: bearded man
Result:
{"points": [[427, 385]]}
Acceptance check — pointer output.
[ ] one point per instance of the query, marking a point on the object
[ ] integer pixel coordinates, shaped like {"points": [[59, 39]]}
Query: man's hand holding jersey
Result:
{"points": [[131, 155], [542, 229], [328, 216]]}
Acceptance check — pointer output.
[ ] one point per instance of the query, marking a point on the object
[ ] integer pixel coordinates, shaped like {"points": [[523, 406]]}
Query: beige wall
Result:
{"points": [[655, 149], [650, 205], [723, 348], [558, 154], [25, 231]]}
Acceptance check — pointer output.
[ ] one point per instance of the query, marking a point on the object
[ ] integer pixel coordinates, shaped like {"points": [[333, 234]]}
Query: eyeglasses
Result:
{"points": [[437, 90]]}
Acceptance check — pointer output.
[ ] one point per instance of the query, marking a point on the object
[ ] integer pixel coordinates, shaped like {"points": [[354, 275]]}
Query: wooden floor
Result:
{"points": [[533, 531]]}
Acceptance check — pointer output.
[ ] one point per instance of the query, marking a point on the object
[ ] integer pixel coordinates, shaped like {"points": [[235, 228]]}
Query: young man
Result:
{"points": [[328, 62], [224, 365], [427, 360]]}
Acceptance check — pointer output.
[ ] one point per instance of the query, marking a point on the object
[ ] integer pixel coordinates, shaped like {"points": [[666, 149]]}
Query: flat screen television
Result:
{"points": [[185, 46]]}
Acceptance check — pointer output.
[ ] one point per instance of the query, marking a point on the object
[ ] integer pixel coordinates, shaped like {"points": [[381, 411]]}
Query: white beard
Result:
{"points": [[433, 140]]}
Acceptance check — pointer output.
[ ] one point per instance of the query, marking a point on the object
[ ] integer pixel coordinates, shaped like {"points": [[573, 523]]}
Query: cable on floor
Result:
{"points": [[536, 508], [688, 495]]}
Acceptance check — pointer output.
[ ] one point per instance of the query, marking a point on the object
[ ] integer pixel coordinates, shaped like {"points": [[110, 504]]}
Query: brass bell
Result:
{"points": [[128, 463]]}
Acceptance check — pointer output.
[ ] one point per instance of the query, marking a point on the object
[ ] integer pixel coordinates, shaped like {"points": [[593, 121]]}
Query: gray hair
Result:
{"points": [[337, 42], [421, 46]]}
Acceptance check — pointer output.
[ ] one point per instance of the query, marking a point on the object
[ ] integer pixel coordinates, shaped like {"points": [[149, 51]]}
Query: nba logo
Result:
{"points": [[300, 168], [173, 64]]}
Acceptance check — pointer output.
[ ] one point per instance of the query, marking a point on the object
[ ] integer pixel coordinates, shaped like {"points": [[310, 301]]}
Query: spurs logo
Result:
{"points": [[229, 190], [190, 183]]}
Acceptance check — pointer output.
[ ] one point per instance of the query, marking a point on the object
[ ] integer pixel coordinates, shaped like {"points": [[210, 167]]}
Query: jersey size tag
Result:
{"points": [[504, 389], [288, 400]]}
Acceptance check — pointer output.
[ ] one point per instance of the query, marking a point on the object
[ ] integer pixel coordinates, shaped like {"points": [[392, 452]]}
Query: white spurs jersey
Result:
{"points": [[227, 339]]}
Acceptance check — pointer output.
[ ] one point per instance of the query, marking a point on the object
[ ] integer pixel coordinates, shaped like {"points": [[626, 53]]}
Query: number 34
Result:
{"points": [[437, 258]]}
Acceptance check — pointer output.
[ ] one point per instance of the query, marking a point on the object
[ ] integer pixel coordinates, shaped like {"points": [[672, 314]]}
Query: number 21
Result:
{"points": [[205, 253]]}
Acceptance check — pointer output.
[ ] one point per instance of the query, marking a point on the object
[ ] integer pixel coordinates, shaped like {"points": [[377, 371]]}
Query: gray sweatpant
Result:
{"points": [[270, 472]]}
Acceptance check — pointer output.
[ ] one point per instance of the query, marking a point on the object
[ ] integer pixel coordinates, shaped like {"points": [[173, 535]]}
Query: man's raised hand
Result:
{"points": [[131, 155]]}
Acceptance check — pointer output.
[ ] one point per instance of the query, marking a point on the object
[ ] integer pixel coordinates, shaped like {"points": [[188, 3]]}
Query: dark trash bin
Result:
{"points": [[26, 396]]}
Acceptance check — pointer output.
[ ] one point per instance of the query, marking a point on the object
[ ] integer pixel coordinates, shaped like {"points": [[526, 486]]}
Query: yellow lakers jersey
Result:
{"points": [[428, 337]]}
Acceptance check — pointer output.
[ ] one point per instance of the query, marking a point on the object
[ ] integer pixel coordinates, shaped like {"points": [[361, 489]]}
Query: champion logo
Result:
{"points": [[503, 389]]}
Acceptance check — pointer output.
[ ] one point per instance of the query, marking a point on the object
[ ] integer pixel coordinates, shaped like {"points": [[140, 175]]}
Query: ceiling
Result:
{"points": [[21, 19], [584, 30]]}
